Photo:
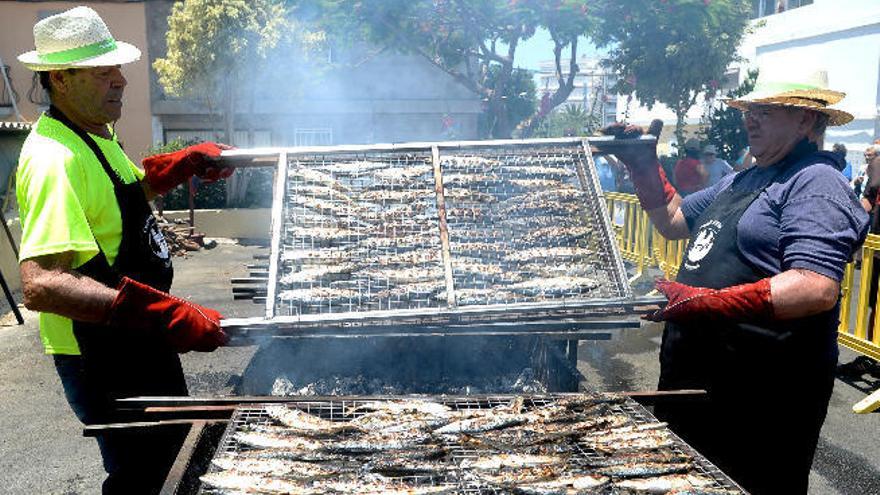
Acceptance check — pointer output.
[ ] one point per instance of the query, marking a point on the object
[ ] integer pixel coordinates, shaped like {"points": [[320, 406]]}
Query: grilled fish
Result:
{"points": [[356, 167], [457, 195], [468, 179], [307, 423], [640, 458], [511, 461], [402, 275], [664, 484], [540, 171], [317, 177], [406, 467], [536, 184], [272, 440], [569, 484], [337, 208], [509, 477], [421, 289], [323, 233], [317, 191], [280, 467], [317, 295], [331, 255], [413, 406], [704, 491], [318, 272], [557, 233], [414, 257], [644, 470], [378, 442], [469, 162], [394, 174], [557, 253], [479, 296], [255, 483], [481, 423], [555, 285], [396, 196]]}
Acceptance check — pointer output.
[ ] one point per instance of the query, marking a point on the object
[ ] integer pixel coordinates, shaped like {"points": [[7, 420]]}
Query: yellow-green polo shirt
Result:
{"points": [[67, 204]]}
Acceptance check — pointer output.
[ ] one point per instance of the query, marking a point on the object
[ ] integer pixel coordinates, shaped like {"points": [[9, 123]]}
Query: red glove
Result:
{"points": [[166, 171], [744, 302], [652, 186], [187, 326]]}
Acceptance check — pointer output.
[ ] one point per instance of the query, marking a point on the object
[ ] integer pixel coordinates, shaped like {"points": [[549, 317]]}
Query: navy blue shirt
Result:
{"points": [[807, 217]]}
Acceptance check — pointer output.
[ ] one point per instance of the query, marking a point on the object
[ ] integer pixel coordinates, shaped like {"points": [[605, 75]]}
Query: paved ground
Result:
{"points": [[41, 450]]}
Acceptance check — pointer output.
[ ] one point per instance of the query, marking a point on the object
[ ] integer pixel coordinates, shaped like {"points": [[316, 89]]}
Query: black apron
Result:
{"points": [[768, 386], [121, 362]]}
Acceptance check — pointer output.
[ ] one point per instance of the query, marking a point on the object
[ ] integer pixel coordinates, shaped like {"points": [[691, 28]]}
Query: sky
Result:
{"points": [[538, 48]]}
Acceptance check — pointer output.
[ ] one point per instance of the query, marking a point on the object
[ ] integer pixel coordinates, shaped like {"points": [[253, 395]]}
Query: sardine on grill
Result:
{"points": [[304, 422], [538, 171], [317, 191], [323, 233], [555, 285], [548, 234], [644, 470], [402, 275], [511, 461], [316, 177], [555, 253], [269, 440], [397, 173], [378, 442], [318, 295], [410, 406], [416, 290], [318, 255], [395, 196], [663, 484], [238, 482], [333, 207], [482, 423], [536, 184], [459, 179], [655, 457], [355, 167], [281, 467], [312, 273], [469, 162], [567, 484], [461, 195]]}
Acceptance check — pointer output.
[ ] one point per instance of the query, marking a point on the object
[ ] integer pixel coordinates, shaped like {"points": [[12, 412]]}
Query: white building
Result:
{"points": [[841, 36], [591, 86]]}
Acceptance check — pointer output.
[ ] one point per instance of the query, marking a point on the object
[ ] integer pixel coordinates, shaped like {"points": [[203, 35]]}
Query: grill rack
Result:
{"points": [[457, 207], [335, 409]]}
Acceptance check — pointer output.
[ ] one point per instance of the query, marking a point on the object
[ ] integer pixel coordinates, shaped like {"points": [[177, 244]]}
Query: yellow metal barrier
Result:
{"points": [[642, 245]]}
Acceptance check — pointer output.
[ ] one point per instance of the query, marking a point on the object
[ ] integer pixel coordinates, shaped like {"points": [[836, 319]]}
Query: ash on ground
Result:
{"points": [[526, 382]]}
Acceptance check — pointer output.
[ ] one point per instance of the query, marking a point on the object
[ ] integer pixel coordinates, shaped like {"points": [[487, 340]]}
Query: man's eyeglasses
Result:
{"points": [[758, 113]]}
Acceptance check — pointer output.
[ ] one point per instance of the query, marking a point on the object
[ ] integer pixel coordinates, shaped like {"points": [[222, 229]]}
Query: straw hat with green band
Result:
{"points": [[809, 92], [77, 38]]}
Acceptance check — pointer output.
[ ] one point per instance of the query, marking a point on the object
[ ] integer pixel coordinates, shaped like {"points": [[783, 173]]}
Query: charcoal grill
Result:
{"points": [[340, 409], [482, 236]]}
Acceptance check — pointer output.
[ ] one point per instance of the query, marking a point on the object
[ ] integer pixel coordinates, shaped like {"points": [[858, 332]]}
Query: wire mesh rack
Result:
{"points": [[346, 409], [436, 226]]}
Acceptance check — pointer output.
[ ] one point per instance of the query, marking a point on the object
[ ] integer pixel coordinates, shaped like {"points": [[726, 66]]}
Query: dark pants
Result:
{"points": [[136, 460], [761, 421]]}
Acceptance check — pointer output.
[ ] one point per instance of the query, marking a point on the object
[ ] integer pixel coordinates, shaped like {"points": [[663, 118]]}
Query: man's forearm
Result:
{"points": [[799, 293], [51, 289]]}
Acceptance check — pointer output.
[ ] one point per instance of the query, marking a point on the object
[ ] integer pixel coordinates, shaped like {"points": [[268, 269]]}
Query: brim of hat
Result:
{"points": [[830, 97], [835, 117], [125, 53]]}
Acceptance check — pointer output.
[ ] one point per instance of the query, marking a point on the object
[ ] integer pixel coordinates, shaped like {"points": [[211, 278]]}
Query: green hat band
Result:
{"points": [[783, 87], [79, 53]]}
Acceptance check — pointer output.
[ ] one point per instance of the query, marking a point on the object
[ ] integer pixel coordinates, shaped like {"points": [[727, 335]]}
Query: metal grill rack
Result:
{"points": [[340, 409], [400, 233]]}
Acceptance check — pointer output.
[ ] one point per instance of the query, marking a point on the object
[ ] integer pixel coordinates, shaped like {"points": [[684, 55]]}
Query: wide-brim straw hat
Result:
{"points": [[810, 92], [77, 38]]}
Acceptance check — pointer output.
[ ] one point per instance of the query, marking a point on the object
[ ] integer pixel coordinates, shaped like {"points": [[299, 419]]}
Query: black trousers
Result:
{"points": [[137, 461]]}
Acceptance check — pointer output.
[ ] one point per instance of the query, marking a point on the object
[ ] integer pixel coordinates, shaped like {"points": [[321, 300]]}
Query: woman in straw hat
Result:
{"points": [[93, 262], [752, 317]]}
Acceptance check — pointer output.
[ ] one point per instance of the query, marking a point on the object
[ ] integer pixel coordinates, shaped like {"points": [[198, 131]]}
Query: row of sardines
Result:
{"points": [[517, 232], [583, 444]]}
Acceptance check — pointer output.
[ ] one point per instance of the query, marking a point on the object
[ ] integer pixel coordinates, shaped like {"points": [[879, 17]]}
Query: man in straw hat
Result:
{"points": [[752, 317], [93, 261]]}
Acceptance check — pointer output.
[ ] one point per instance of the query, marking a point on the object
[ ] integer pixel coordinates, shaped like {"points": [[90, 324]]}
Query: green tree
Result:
{"points": [[474, 41], [519, 98], [215, 46], [670, 51], [724, 125], [570, 120]]}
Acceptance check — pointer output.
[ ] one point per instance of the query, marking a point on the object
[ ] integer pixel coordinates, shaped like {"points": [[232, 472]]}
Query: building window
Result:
{"points": [[763, 8]]}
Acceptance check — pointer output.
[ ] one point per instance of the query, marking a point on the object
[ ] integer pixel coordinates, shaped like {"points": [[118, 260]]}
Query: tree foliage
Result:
{"points": [[519, 98], [570, 120], [724, 125], [474, 41], [670, 51]]}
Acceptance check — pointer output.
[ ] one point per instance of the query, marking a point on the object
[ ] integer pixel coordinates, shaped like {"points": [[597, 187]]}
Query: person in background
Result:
{"points": [[690, 174], [715, 167], [847, 171], [753, 314], [93, 262], [607, 174], [871, 183]]}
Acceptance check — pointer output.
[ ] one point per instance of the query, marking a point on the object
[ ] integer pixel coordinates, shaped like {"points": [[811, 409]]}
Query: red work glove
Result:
{"points": [[649, 179], [186, 326], [166, 171], [746, 302]]}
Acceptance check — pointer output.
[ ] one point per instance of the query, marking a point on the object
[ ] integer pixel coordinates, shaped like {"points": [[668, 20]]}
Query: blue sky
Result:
{"points": [[539, 47]]}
